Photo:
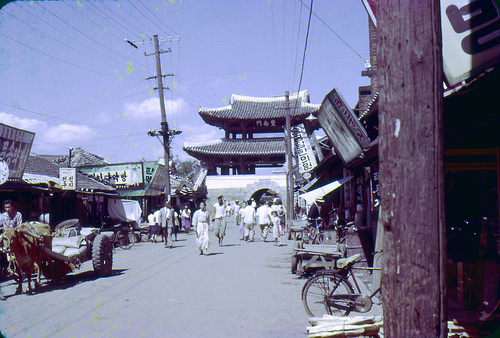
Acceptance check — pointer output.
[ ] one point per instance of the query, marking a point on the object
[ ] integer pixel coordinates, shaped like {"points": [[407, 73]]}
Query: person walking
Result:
{"points": [[167, 220], [248, 215], [186, 218], [220, 219], [264, 217], [277, 229], [239, 220], [201, 224], [280, 209]]}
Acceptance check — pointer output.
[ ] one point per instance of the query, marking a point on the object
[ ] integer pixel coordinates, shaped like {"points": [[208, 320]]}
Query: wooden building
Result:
{"points": [[254, 136]]}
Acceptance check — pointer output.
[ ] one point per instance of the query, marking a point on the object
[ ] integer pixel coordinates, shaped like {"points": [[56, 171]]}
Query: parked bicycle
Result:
{"points": [[123, 236], [331, 292], [312, 233]]}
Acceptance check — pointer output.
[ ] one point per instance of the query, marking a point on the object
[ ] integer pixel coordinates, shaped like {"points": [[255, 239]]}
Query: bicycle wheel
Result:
{"points": [[125, 238], [316, 291]]}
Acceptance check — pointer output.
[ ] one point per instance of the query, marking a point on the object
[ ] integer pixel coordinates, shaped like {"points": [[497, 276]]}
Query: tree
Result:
{"points": [[182, 168], [411, 168]]}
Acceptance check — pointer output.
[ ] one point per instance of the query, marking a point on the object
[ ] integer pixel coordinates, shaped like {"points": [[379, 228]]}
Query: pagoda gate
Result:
{"points": [[254, 139]]}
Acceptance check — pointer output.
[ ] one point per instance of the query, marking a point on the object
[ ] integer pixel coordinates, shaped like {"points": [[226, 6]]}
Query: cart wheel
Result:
{"points": [[102, 255]]}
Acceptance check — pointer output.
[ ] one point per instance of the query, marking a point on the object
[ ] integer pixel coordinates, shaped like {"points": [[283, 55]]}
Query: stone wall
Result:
{"points": [[242, 187]]}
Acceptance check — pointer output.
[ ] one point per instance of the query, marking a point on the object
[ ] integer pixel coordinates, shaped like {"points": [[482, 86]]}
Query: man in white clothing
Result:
{"points": [[220, 219], [167, 219], [264, 217], [248, 217]]}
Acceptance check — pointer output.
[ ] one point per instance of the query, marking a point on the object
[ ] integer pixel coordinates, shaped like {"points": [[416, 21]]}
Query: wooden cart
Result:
{"points": [[310, 258]]}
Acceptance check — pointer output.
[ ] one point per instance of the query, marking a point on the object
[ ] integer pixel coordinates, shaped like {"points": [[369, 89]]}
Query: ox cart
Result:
{"points": [[34, 249]]}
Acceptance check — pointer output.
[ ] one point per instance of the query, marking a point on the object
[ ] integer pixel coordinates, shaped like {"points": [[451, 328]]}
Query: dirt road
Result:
{"points": [[241, 289]]}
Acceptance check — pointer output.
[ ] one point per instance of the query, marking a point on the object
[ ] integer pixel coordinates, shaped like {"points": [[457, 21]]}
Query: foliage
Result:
{"points": [[182, 168]]}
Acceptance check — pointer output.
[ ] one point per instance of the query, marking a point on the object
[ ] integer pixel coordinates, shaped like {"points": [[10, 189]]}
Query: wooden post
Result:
{"points": [[411, 168]]}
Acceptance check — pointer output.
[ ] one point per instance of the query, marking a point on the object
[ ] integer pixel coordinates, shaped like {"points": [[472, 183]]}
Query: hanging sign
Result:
{"points": [[470, 32], [15, 147], [302, 149], [342, 127], [67, 178]]}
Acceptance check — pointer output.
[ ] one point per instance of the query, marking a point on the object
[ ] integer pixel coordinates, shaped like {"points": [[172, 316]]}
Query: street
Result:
{"points": [[240, 289]]}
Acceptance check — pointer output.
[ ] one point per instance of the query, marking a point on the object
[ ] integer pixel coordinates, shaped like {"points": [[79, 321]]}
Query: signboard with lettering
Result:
{"points": [[199, 177], [375, 184], [266, 123], [302, 149], [67, 178], [471, 37], [123, 176], [158, 180], [348, 136], [470, 34], [348, 190], [15, 147]]}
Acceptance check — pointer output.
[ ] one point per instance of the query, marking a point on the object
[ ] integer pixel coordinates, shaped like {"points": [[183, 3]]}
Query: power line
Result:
{"points": [[79, 51], [305, 48], [331, 29], [97, 42], [55, 58], [124, 20], [157, 17]]}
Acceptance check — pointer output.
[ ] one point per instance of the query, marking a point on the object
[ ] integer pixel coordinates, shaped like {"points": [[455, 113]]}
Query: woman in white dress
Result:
{"points": [[201, 223]]}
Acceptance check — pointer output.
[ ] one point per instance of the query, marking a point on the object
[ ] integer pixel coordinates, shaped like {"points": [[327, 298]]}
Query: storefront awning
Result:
{"points": [[311, 196]]}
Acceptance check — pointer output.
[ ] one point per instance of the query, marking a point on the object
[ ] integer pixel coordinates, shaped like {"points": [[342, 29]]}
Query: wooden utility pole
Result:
{"points": [[289, 171], [411, 168], [165, 132]]}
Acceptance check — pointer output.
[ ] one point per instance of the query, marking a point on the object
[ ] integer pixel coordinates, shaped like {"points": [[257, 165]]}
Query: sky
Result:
{"points": [[68, 75]]}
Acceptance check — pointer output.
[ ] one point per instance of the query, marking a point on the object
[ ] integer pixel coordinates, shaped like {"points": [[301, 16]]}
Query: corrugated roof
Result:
{"points": [[238, 147], [247, 107]]}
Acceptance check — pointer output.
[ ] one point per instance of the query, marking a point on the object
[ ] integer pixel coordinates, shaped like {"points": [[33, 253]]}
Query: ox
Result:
{"points": [[26, 244]]}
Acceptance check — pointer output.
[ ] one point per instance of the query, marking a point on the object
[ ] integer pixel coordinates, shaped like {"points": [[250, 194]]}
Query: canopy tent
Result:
{"points": [[312, 195]]}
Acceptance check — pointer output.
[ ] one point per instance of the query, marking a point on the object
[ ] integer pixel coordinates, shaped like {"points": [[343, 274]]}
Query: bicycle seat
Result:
{"points": [[343, 262]]}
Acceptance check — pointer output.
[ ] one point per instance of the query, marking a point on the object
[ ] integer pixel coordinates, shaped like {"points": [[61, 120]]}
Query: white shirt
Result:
{"points": [[264, 214], [219, 210], [248, 214]]}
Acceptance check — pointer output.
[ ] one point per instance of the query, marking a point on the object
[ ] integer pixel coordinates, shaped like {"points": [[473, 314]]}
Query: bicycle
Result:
{"points": [[312, 234], [331, 292], [123, 236]]}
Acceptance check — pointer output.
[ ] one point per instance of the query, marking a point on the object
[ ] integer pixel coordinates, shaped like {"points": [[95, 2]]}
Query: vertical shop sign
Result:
{"points": [[375, 187], [358, 187], [67, 178], [348, 190], [302, 149]]}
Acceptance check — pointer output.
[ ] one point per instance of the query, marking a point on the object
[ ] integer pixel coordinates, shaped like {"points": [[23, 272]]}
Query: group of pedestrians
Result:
{"points": [[270, 217], [267, 216], [165, 222]]}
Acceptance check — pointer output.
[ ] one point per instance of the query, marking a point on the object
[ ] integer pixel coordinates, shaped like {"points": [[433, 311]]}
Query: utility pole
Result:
{"points": [[411, 155], [165, 131], [289, 173]]}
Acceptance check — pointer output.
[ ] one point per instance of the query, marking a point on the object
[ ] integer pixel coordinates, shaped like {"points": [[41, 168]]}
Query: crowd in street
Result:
{"points": [[269, 216]]}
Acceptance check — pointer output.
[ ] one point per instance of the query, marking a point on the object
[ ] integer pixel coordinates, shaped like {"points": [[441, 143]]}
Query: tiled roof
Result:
{"points": [[238, 147], [247, 107], [40, 170], [79, 158]]}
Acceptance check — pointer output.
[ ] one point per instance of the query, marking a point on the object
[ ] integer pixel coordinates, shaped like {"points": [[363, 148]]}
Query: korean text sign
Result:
{"points": [[15, 147]]}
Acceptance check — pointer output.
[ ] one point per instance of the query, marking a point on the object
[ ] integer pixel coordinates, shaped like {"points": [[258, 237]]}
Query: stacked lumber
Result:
{"points": [[359, 326], [370, 326]]}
